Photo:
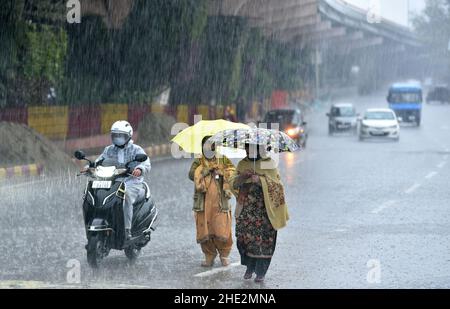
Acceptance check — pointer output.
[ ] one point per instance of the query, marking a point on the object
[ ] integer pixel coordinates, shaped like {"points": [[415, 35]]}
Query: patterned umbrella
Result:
{"points": [[273, 139]]}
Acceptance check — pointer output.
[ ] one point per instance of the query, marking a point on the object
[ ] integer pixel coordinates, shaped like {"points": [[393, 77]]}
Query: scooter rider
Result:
{"points": [[121, 151]]}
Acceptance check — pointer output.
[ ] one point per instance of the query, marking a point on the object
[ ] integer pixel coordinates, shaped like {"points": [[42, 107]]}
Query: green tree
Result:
{"points": [[32, 54], [433, 27]]}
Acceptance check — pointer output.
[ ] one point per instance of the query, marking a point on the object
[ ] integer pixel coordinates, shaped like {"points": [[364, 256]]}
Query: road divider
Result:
{"points": [[21, 170]]}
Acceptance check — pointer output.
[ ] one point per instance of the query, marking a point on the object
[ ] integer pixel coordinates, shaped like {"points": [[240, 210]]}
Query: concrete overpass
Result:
{"points": [[322, 23], [329, 27]]}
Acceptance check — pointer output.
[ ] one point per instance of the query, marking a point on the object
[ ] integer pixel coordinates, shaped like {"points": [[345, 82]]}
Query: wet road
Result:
{"points": [[363, 215]]}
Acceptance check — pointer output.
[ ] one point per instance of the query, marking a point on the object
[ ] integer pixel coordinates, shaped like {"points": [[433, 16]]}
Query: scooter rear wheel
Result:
{"points": [[132, 253]]}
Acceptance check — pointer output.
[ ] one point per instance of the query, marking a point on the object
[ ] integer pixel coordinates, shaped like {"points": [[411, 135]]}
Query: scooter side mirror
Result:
{"points": [[140, 157], [80, 155]]}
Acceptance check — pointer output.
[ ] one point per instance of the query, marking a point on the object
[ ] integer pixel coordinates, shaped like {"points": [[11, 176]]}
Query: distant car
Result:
{"points": [[291, 122], [439, 94], [379, 123], [342, 117]]}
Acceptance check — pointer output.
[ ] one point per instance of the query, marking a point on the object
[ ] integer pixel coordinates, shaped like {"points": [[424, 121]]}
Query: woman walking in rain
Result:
{"points": [[261, 211], [213, 217]]}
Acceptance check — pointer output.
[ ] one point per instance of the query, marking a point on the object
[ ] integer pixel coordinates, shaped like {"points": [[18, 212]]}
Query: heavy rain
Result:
{"points": [[349, 99]]}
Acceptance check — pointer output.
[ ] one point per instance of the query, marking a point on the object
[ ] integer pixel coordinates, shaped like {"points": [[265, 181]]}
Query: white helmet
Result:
{"points": [[121, 133]]}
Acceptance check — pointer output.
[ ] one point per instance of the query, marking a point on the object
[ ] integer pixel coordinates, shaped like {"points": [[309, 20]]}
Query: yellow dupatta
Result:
{"points": [[225, 168], [273, 190]]}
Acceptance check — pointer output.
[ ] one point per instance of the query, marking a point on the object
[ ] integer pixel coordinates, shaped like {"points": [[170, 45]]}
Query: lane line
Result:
{"points": [[217, 270], [383, 206], [441, 165], [431, 175], [413, 188]]}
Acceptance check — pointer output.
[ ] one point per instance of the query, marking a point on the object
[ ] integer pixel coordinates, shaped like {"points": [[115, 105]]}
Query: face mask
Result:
{"points": [[119, 139]]}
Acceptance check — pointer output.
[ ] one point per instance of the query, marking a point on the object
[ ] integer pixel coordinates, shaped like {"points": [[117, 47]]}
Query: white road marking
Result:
{"points": [[413, 188], [383, 206], [431, 175], [340, 230], [217, 270], [30, 284], [441, 165], [23, 284]]}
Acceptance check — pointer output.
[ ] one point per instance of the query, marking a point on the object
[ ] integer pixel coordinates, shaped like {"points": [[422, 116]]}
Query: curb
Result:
{"points": [[155, 151], [21, 170], [158, 150]]}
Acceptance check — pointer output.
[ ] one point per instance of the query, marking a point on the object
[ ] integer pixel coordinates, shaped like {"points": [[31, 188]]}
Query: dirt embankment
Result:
{"points": [[155, 129], [20, 145]]}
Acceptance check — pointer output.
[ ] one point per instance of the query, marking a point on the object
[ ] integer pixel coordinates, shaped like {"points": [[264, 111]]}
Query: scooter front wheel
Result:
{"points": [[94, 250]]}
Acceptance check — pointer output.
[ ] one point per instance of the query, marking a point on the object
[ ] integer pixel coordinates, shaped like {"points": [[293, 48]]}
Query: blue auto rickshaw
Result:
{"points": [[406, 101]]}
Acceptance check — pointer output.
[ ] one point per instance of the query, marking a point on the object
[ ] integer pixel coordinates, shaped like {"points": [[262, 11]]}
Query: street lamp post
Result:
{"points": [[317, 61], [408, 14]]}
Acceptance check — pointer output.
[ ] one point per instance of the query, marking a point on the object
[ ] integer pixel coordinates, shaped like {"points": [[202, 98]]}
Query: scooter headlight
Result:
{"points": [[105, 171], [120, 171]]}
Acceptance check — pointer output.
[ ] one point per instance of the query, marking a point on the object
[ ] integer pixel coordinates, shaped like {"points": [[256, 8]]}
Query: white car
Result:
{"points": [[379, 123]]}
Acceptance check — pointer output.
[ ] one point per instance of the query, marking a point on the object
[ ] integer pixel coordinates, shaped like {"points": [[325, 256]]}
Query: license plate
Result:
{"points": [[377, 132], [101, 184]]}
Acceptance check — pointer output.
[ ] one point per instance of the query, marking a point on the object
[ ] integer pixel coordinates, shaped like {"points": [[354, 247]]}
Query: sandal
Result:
{"points": [[259, 279], [225, 261], [208, 262], [248, 275]]}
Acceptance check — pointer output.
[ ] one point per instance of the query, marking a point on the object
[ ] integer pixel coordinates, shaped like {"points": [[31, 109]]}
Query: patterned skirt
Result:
{"points": [[255, 235]]}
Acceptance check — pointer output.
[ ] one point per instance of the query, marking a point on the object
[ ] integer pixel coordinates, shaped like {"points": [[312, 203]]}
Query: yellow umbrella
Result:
{"points": [[190, 139]]}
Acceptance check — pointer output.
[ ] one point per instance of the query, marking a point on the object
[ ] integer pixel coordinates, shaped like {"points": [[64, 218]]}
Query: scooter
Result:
{"points": [[103, 212]]}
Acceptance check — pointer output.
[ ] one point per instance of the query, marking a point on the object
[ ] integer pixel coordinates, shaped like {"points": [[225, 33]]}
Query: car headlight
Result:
{"points": [[293, 131], [393, 127], [364, 126]]}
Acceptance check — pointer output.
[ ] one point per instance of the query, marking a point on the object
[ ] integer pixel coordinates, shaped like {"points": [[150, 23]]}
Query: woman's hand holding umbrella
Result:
{"points": [[256, 179]]}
